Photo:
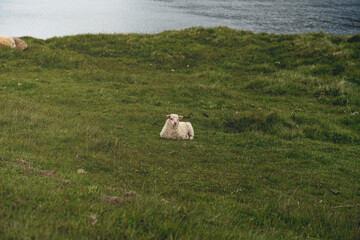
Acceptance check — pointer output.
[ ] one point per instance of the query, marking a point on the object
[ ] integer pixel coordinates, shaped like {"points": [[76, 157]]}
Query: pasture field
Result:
{"points": [[276, 153]]}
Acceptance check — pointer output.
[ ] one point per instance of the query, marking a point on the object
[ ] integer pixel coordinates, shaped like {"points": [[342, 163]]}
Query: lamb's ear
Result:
{"points": [[167, 116], [181, 117]]}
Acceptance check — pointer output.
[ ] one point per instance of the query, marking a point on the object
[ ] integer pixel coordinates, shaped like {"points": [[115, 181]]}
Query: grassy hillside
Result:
{"points": [[275, 154]]}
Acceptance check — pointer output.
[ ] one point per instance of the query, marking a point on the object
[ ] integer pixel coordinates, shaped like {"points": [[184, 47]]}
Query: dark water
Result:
{"points": [[278, 16], [48, 18]]}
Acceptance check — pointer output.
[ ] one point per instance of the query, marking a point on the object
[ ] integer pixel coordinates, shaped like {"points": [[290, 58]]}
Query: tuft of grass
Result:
{"points": [[266, 123]]}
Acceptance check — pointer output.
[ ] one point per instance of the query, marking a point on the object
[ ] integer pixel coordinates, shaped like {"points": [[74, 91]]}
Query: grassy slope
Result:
{"points": [[275, 128]]}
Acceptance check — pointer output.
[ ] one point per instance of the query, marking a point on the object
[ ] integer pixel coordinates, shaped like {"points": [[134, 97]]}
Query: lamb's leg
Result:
{"points": [[190, 131]]}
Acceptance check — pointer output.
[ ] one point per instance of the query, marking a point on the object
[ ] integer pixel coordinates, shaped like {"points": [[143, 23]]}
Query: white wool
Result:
{"points": [[7, 41], [173, 129]]}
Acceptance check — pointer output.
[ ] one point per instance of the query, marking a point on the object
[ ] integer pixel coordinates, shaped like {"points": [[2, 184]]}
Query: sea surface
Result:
{"points": [[49, 18]]}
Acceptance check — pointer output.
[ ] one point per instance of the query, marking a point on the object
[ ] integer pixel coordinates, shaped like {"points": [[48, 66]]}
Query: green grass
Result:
{"points": [[276, 148]]}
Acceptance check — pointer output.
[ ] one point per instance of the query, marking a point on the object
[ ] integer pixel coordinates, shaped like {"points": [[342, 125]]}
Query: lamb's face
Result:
{"points": [[174, 119]]}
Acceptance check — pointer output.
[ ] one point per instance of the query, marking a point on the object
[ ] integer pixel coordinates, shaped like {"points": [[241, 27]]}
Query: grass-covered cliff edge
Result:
{"points": [[276, 148]]}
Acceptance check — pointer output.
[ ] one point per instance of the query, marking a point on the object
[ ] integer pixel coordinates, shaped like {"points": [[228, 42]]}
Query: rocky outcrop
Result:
{"points": [[10, 42]]}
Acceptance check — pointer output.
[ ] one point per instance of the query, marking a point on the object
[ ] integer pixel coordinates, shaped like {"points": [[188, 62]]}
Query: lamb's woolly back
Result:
{"points": [[173, 129]]}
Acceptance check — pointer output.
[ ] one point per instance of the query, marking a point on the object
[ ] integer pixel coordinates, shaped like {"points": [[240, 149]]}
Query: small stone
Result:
{"points": [[130, 194], [93, 219], [334, 191], [81, 171]]}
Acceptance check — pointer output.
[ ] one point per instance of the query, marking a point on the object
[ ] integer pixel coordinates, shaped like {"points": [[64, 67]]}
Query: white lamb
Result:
{"points": [[173, 129], [7, 42]]}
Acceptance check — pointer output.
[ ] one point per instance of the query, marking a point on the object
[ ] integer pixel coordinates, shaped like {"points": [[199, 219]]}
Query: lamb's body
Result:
{"points": [[173, 129], [7, 42]]}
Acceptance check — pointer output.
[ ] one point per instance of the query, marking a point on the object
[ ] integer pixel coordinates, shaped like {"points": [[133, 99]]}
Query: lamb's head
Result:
{"points": [[173, 120]]}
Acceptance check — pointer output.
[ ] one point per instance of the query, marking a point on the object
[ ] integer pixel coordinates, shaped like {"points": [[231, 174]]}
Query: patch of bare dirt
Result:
{"points": [[23, 162], [116, 201], [50, 174]]}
